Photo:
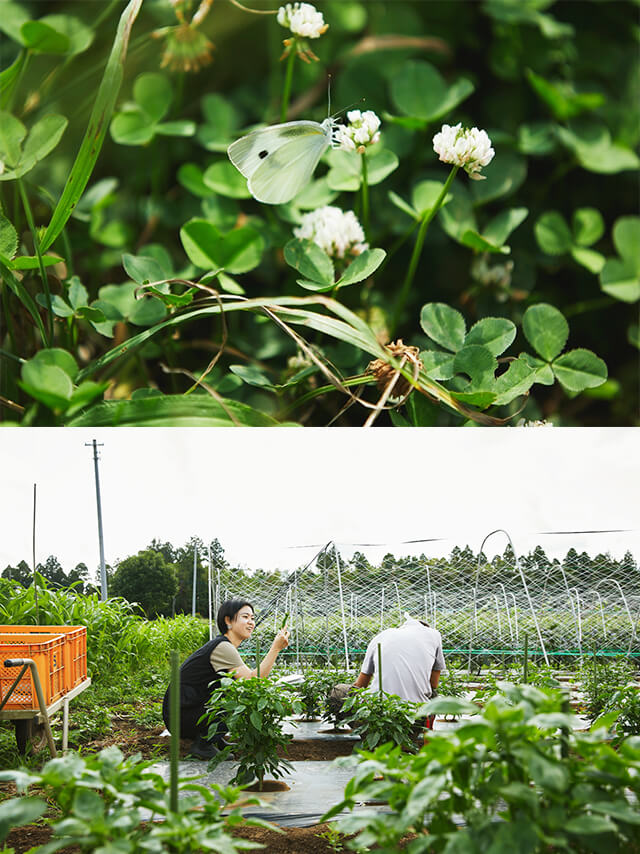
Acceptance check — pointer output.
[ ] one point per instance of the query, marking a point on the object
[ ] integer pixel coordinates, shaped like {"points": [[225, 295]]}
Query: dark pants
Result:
{"points": [[189, 726]]}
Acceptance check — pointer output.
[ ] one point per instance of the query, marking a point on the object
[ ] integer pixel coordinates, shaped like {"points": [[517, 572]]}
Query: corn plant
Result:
{"points": [[119, 640]]}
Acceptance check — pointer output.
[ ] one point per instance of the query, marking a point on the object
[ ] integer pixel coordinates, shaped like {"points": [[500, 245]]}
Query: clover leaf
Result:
{"points": [[458, 219], [9, 248], [318, 269], [561, 98], [547, 330], [424, 196], [590, 141], [138, 122], [420, 91], [555, 237], [220, 124], [51, 34], [345, 172], [20, 149], [237, 251], [620, 276], [77, 305], [49, 378], [473, 355]]}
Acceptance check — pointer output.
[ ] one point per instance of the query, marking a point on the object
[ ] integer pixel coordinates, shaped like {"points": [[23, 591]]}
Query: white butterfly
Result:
{"points": [[279, 160]]}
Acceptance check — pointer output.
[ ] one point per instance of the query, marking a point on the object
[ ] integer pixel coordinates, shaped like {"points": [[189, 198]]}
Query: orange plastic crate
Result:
{"points": [[75, 638], [47, 651]]}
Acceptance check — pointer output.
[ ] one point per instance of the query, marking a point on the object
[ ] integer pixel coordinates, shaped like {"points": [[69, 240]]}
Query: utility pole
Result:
{"points": [[103, 571], [33, 555]]}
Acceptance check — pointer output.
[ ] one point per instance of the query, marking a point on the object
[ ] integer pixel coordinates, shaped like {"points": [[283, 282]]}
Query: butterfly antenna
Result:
{"points": [[354, 104], [329, 94]]}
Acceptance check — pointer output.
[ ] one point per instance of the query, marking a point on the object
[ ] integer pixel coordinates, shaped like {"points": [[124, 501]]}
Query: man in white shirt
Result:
{"points": [[412, 661]]}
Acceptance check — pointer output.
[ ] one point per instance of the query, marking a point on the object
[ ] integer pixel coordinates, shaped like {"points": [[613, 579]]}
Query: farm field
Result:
{"points": [[128, 732], [514, 716]]}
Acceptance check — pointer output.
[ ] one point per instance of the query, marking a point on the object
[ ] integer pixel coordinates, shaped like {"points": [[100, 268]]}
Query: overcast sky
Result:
{"points": [[262, 492]]}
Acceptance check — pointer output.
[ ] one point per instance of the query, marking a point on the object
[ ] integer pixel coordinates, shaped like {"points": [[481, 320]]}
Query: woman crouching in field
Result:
{"points": [[204, 669]]}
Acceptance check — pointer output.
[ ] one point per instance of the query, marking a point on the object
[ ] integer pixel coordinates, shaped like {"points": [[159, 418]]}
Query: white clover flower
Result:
{"points": [[362, 130], [302, 19], [469, 148], [523, 423], [337, 232]]}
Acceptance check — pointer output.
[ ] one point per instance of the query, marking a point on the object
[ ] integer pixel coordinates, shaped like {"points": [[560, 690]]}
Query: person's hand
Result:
{"points": [[281, 640]]}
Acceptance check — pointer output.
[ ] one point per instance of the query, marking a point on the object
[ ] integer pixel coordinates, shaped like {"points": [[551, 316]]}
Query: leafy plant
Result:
{"points": [[88, 724], [102, 801], [118, 639], [451, 684], [312, 694], [253, 711], [380, 718], [123, 261], [542, 676], [329, 679], [520, 777], [625, 704], [336, 841], [16, 812], [601, 678]]}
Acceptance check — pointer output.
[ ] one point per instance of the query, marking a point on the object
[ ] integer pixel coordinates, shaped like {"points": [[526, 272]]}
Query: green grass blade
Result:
{"points": [[329, 325], [98, 124], [24, 296], [174, 411]]}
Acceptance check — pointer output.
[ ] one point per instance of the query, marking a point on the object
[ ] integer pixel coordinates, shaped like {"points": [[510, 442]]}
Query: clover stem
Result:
{"points": [[36, 246], [417, 251], [287, 85], [364, 189]]}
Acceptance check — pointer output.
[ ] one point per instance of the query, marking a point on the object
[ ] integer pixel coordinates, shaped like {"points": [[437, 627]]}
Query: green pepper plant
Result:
{"points": [[601, 678], [519, 776], [312, 694], [103, 802], [380, 718], [253, 710], [626, 703]]}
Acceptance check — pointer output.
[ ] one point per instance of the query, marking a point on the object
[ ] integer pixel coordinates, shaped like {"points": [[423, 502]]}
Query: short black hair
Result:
{"points": [[229, 609]]}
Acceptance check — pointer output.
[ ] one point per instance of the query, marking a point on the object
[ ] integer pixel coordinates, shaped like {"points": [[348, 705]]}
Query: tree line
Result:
{"points": [[160, 577]]}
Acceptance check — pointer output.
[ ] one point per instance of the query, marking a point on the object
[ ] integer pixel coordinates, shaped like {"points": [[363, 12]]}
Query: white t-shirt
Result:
{"points": [[409, 654]]}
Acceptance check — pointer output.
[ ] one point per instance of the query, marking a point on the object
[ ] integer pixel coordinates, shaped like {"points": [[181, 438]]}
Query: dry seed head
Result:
{"points": [[384, 373]]}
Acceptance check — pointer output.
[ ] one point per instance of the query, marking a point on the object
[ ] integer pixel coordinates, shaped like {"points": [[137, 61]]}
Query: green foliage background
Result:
{"points": [[114, 176]]}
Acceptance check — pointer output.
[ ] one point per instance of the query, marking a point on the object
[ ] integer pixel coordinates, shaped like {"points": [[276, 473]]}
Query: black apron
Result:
{"points": [[197, 681]]}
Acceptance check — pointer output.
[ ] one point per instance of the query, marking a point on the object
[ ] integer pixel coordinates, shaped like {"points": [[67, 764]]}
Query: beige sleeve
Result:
{"points": [[225, 657]]}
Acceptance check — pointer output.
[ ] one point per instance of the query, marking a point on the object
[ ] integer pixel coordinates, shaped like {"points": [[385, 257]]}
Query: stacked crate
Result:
{"points": [[60, 656]]}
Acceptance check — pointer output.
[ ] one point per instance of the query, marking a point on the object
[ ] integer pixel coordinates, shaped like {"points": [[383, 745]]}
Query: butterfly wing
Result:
{"points": [[279, 160]]}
